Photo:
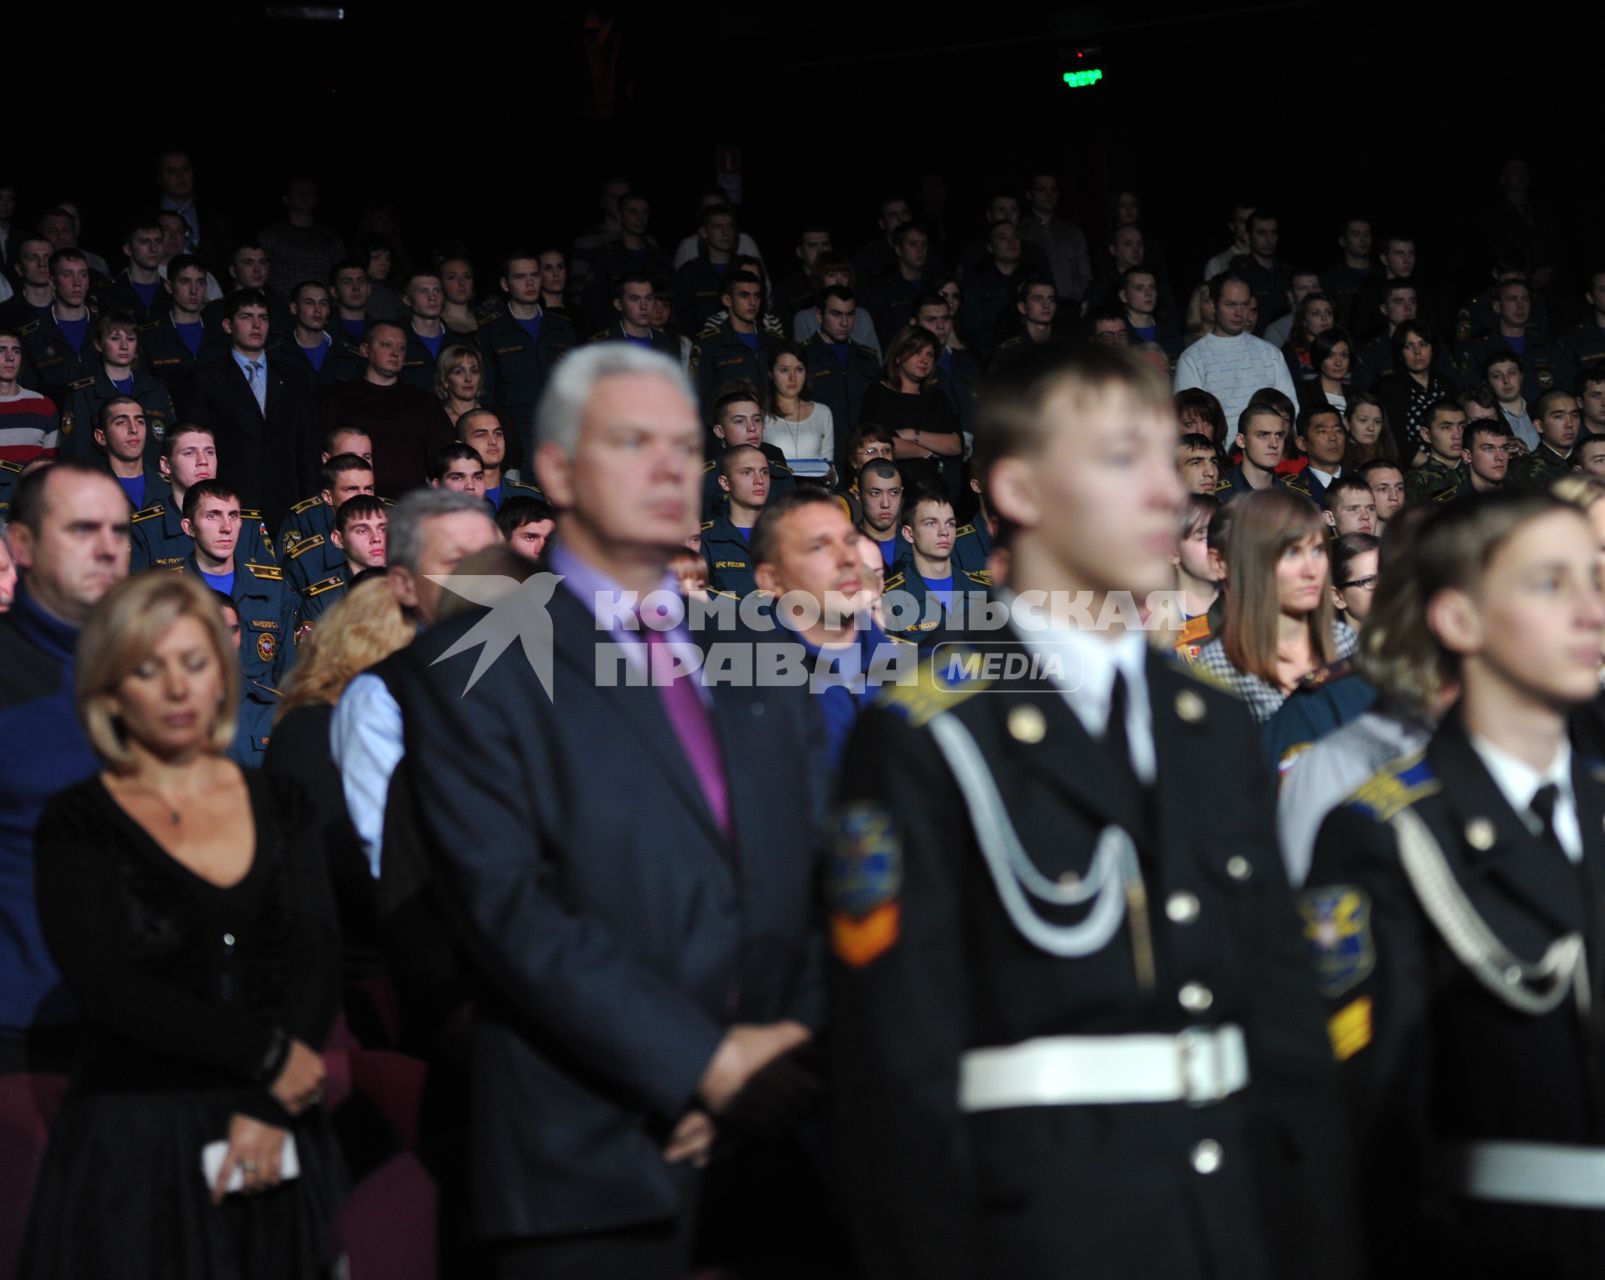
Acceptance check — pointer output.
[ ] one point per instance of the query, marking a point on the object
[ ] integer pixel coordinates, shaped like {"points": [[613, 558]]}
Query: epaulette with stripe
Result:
{"points": [[266, 572], [149, 513], [935, 688], [306, 504], [80, 384], [706, 525], [307, 543], [893, 583], [708, 466], [1323, 676], [325, 584], [1396, 787], [14, 467], [981, 577], [964, 532]]}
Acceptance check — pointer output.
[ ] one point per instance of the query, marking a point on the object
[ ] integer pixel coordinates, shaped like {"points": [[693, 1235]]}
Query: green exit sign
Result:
{"points": [[1083, 79]]}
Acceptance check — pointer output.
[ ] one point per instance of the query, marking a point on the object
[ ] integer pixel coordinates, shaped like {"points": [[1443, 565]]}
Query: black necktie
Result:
{"points": [[1542, 807], [1117, 751]]}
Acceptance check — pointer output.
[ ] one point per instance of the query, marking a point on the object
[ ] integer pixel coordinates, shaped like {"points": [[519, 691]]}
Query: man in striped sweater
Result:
{"points": [[27, 419]]}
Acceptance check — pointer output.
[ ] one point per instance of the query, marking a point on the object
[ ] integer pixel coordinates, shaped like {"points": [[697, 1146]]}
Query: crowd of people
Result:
{"points": [[557, 704]]}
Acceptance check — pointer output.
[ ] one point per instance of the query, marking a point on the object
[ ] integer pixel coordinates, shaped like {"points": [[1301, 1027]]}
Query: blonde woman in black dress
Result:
{"points": [[183, 903]]}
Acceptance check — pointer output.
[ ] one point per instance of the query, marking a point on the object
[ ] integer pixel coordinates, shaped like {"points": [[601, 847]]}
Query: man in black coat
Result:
{"points": [[1072, 1028], [635, 964], [260, 411]]}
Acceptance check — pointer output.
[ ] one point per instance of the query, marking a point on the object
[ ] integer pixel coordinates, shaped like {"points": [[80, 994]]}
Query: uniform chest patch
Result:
{"points": [[267, 644], [1337, 925], [862, 877]]}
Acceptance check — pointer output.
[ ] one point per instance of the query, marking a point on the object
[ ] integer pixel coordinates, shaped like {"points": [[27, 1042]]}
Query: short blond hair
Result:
{"points": [[457, 352], [122, 631], [365, 626]]}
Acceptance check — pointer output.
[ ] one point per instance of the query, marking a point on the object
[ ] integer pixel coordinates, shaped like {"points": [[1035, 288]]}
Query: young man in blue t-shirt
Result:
{"points": [[929, 527], [121, 433], [880, 499]]}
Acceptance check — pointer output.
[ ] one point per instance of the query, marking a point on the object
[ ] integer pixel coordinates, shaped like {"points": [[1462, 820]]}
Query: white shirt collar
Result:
{"points": [[1083, 664], [1519, 782]]}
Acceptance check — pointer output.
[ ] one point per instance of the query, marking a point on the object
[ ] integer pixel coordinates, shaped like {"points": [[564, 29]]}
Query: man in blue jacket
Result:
{"points": [[69, 533]]}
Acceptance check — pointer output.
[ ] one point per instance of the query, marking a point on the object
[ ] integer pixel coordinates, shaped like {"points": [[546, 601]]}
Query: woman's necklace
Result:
{"points": [[174, 816]]}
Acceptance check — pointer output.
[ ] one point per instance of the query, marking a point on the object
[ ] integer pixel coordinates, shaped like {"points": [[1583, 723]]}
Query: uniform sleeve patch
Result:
{"points": [[857, 942], [865, 867], [1350, 1028], [1395, 788], [267, 645], [1337, 925]]}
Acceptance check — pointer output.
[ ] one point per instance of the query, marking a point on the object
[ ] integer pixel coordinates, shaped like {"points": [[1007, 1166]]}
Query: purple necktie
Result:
{"points": [[689, 719]]}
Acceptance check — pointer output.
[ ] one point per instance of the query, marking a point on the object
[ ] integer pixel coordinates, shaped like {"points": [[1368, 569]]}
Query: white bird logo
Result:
{"points": [[517, 612]]}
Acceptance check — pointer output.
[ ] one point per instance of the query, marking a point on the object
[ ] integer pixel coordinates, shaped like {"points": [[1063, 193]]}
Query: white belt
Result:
{"points": [[1196, 1067], [1547, 1173]]}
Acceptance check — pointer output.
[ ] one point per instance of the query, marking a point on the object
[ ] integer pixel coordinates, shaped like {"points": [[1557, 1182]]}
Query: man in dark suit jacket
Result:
{"points": [[635, 964], [260, 411]]}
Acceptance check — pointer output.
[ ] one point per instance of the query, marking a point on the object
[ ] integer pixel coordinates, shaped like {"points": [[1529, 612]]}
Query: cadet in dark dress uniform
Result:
{"points": [[1072, 1031], [521, 345], [1456, 912], [157, 536], [840, 370]]}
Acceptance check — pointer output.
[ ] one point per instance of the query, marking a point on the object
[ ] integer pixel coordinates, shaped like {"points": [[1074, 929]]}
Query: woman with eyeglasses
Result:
{"points": [[1354, 576]]}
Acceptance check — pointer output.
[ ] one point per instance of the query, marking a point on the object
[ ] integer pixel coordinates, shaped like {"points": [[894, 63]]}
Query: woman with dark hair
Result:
{"points": [[1331, 359], [1454, 909], [909, 402], [1354, 576], [950, 292], [1200, 413], [802, 430], [1366, 423], [1313, 317], [1335, 695], [1278, 625], [188, 912], [1413, 386]]}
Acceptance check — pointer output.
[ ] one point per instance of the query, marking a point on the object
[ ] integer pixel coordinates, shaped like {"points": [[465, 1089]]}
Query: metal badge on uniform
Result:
{"points": [[1337, 923], [1027, 724], [1190, 706], [863, 874], [266, 645], [1480, 834]]}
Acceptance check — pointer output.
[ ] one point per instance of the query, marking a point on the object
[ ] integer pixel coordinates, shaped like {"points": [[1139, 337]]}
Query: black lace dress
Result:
{"points": [[190, 994]]}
